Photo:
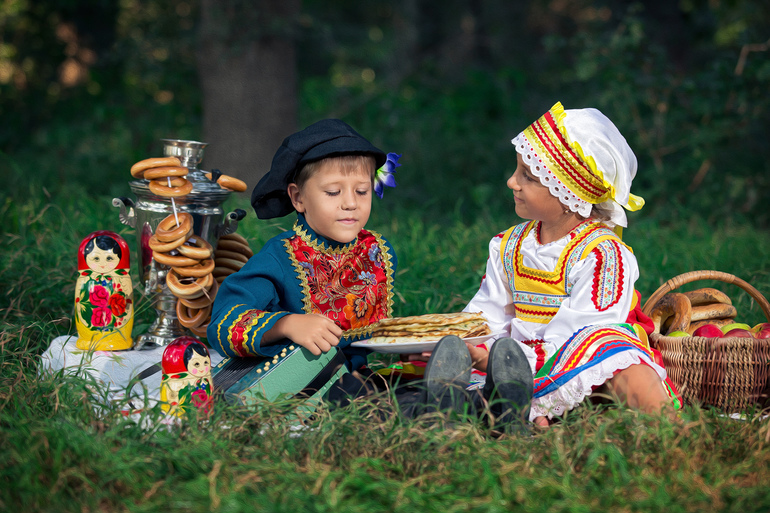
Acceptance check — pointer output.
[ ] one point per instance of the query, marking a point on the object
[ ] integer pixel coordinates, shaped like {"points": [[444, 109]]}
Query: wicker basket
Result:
{"points": [[728, 373]]}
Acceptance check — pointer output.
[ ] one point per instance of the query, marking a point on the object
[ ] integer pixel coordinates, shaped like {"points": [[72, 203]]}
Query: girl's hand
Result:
{"points": [[416, 357], [479, 356], [314, 332]]}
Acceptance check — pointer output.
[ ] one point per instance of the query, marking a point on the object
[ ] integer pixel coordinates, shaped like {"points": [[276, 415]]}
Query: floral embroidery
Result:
{"points": [[357, 311], [538, 294], [608, 276], [351, 285]]}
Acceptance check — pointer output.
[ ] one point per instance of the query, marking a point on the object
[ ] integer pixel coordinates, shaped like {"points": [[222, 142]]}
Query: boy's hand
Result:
{"points": [[314, 332]]}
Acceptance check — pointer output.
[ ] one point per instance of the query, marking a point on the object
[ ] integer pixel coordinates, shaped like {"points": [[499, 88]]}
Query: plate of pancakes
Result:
{"points": [[420, 333]]}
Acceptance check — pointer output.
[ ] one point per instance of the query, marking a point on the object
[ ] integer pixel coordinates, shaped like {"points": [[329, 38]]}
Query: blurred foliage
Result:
{"points": [[87, 87]]}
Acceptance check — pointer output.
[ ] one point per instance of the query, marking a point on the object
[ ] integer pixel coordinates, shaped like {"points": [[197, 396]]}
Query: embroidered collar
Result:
{"points": [[571, 234], [319, 242]]}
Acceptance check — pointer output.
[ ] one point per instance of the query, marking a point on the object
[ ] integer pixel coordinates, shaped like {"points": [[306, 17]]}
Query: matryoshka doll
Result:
{"points": [[104, 305], [186, 378]]}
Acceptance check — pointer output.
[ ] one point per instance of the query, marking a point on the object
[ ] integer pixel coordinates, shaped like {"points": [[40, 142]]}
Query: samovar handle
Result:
{"points": [[127, 217], [231, 223]]}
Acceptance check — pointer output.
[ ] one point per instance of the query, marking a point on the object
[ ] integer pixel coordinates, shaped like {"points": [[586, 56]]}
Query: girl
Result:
{"points": [[562, 284]]}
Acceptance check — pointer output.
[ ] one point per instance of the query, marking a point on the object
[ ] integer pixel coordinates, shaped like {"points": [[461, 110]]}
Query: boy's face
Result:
{"points": [[336, 204]]}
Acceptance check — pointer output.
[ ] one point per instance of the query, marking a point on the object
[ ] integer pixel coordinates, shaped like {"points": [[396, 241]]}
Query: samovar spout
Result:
{"points": [[230, 223]]}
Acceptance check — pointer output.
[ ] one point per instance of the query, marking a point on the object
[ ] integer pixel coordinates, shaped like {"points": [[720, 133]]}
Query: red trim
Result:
{"points": [[573, 172]]}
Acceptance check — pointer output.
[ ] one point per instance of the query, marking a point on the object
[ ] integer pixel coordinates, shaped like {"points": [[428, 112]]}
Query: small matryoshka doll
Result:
{"points": [[186, 377], [104, 305]]}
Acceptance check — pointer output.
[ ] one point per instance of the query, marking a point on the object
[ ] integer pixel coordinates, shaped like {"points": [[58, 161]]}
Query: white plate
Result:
{"points": [[416, 347]]}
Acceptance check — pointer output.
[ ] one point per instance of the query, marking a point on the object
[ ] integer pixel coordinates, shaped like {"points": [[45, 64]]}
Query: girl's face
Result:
{"points": [[533, 199], [336, 204], [102, 261], [199, 365]]}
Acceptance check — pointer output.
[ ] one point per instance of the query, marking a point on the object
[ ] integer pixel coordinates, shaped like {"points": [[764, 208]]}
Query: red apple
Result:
{"points": [[739, 332], [761, 330], [708, 330]]}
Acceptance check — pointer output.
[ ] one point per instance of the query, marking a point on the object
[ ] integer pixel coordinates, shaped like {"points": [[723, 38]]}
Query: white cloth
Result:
{"points": [[112, 369], [495, 302], [593, 134]]}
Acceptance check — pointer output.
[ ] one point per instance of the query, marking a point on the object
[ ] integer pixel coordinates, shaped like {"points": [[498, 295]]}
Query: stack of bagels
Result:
{"points": [[232, 253], [195, 272], [687, 311], [167, 176]]}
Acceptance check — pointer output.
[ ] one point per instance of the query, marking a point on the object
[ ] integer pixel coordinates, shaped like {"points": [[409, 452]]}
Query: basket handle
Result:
{"points": [[678, 281]]}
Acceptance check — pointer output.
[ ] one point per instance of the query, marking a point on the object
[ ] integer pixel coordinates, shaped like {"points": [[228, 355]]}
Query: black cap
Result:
{"points": [[326, 138]]}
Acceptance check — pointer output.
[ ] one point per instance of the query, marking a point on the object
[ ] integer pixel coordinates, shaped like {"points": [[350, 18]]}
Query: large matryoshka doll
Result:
{"points": [[186, 378], [104, 306]]}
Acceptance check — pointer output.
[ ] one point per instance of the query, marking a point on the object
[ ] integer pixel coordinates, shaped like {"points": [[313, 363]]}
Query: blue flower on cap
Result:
{"points": [[384, 175]]}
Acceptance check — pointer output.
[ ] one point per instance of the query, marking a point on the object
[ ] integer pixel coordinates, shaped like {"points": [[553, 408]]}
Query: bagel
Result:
{"points": [[232, 255], [165, 171], [707, 296], [188, 288], [236, 237], [138, 169], [206, 299], [168, 230], [164, 247], [198, 270], [157, 188], [196, 247], [229, 263], [222, 271], [200, 331], [229, 182], [235, 246], [192, 318], [717, 322], [713, 311], [174, 260], [674, 306]]}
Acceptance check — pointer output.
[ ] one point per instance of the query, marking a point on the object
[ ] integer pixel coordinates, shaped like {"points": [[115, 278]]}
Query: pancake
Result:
{"points": [[420, 328]]}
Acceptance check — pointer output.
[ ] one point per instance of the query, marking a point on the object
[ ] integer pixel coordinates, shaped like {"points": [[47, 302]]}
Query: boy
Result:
{"points": [[323, 283]]}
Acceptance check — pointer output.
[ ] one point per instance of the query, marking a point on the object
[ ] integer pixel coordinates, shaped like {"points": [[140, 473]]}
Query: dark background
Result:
{"points": [[88, 87]]}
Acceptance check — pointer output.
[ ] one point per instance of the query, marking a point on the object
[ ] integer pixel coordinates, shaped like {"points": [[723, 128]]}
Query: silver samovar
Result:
{"points": [[144, 214]]}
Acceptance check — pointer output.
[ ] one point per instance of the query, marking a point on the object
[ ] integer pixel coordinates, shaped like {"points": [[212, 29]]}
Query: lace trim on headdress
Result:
{"points": [[549, 179]]}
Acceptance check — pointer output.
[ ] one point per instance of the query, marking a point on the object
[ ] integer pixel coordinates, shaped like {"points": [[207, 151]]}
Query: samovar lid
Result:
{"points": [[189, 152]]}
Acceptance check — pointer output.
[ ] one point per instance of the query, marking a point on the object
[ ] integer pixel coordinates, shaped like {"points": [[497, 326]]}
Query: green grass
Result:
{"points": [[60, 454]]}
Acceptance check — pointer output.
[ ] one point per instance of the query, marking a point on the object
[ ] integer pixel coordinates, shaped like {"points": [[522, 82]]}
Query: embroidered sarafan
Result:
{"points": [[537, 294], [351, 286]]}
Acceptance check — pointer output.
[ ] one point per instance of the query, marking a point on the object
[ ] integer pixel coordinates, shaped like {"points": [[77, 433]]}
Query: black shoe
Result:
{"points": [[509, 384], [447, 375]]}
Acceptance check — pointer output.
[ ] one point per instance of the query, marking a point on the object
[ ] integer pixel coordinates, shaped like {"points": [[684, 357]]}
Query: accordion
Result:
{"points": [[294, 374]]}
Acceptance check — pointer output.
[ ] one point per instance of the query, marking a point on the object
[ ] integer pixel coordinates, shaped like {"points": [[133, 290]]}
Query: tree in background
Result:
{"points": [[88, 87], [248, 75]]}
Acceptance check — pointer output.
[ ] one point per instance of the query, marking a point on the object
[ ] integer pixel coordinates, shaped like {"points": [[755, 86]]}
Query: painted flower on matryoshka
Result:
{"points": [[187, 375], [104, 293]]}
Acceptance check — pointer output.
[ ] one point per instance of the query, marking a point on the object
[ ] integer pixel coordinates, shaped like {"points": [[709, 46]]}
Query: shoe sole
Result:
{"points": [[447, 374], [511, 382]]}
